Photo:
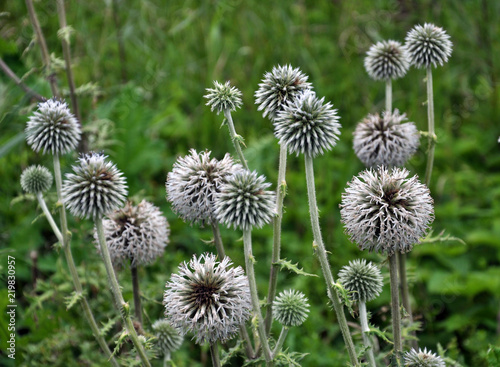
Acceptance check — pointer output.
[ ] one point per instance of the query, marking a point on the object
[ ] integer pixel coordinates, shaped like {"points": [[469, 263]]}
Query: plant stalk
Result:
{"points": [[363, 318], [396, 315], [137, 293], [214, 351], [235, 138], [12, 76], [218, 240], [281, 340], [49, 217], [431, 133], [388, 95], [405, 295]]}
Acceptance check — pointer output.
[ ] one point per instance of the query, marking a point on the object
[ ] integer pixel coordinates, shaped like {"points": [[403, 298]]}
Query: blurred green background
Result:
{"points": [[142, 68]]}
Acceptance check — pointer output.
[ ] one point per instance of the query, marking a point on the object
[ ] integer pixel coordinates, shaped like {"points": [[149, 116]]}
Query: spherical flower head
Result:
{"points": [[428, 45], [385, 140], [208, 298], [168, 338], [53, 128], [362, 279], [136, 235], [223, 97], [290, 308], [193, 183], [422, 358], [386, 60], [36, 179], [386, 211], [243, 201], [279, 87], [96, 187], [307, 125]]}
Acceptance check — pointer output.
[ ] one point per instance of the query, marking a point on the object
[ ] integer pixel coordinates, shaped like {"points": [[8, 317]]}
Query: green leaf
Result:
{"points": [[441, 237], [287, 264], [74, 298]]}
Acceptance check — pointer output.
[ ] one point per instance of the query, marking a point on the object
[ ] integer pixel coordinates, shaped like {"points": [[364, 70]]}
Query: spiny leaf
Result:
{"points": [[344, 297], [379, 333], [74, 298], [287, 264], [441, 237], [65, 33], [106, 327], [119, 342], [226, 356]]}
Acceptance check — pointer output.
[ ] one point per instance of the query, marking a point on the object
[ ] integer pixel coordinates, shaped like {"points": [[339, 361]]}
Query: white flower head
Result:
{"points": [[362, 279], [36, 179], [428, 45], [223, 97], [387, 60]]}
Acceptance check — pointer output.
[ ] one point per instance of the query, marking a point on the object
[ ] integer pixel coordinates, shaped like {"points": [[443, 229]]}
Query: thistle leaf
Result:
{"points": [[288, 265]]}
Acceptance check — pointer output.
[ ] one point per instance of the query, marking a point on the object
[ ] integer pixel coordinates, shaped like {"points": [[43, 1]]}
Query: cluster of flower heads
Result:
{"points": [[168, 338], [290, 308], [387, 60], [423, 358], [36, 179], [136, 234], [208, 298], [362, 280], [223, 97]]}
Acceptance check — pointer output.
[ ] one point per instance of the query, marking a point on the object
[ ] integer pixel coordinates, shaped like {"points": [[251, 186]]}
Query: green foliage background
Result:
{"points": [[147, 108]]}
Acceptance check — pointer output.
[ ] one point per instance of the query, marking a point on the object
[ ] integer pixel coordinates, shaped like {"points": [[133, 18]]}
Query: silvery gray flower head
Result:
{"points": [[385, 140], [307, 125], [168, 338], [428, 44], [386, 211], [223, 97], [362, 279], [290, 308], [53, 128], [36, 179], [422, 358], [386, 60], [96, 187], [279, 87], [193, 183], [136, 234], [243, 201], [208, 298]]}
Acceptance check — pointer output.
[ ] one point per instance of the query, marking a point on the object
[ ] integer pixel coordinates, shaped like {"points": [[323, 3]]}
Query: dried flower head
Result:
{"points": [[290, 308], [193, 183], [243, 201], [362, 279], [385, 140], [279, 87], [386, 211], [136, 234], [53, 128], [428, 44], [386, 60], [223, 97], [423, 358], [307, 125], [168, 338], [36, 179], [208, 298], [96, 187]]}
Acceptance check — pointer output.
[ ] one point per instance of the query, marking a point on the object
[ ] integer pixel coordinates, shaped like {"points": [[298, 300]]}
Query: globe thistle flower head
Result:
{"points": [[53, 128], [96, 187], [243, 201], [386, 60], [223, 97], [362, 279], [307, 125], [385, 140], [384, 210], [280, 86], [168, 338], [290, 308], [423, 358], [428, 45], [136, 234], [193, 183], [36, 179], [208, 298]]}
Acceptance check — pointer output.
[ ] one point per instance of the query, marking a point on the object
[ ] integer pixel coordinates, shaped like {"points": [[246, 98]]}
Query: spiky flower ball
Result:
{"points": [[385, 140], [96, 187], [279, 87], [136, 235], [193, 183], [208, 298], [386, 60], [290, 308], [223, 97], [384, 210], [307, 125], [428, 45], [362, 279], [168, 338], [53, 128], [243, 201], [423, 358], [36, 179]]}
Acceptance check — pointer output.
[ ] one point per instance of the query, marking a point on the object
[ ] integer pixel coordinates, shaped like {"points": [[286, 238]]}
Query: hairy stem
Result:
{"points": [[218, 240], [214, 351], [363, 318], [405, 294], [51, 221], [388, 95], [12, 76], [281, 340], [396, 315], [137, 293], [431, 134], [235, 138]]}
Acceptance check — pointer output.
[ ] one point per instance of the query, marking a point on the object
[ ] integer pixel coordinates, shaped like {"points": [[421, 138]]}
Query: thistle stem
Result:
{"points": [[396, 316], [235, 138], [320, 251], [214, 351], [12, 76], [49, 217], [431, 134], [363, 318], [281, 340], [120, 304], [388, 95], [275, 257], [405, 295], [137, 295]]}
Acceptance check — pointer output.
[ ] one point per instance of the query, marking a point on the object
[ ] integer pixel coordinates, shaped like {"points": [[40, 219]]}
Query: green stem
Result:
{"points": [[363, 318], [323, 259], [214, 351], [281, 340], [51, 221], [396, 316], [137, 295], [431, 134], [405, 295], [166, 359], [388, 95], [235, 138], [275, 257], [120, 304]]}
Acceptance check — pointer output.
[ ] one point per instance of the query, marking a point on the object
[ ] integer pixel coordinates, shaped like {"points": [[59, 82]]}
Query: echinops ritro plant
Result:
{"points": [[362, 279], [428, 45], [36, 179], [386, 60]]}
